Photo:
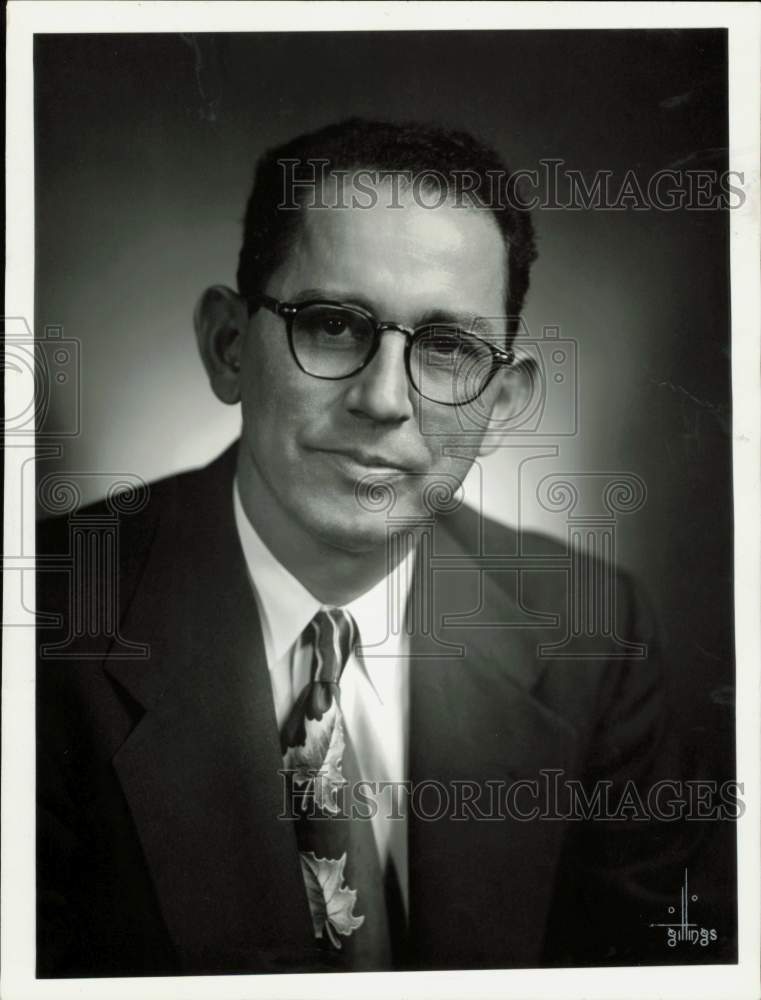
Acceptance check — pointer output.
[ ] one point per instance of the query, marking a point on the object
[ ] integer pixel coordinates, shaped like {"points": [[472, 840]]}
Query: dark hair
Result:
{"points": [[433, 154]]}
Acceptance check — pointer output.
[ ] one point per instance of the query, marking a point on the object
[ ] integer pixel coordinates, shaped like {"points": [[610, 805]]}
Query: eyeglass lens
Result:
{"points": [[446, 363]]}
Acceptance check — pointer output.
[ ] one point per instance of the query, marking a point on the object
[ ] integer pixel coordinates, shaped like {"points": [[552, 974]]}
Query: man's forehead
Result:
{"points": [[401, 245], [439, 231]]}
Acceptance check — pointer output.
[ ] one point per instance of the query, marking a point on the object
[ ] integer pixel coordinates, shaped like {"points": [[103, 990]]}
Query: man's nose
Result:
{"points": [[382, 390]]}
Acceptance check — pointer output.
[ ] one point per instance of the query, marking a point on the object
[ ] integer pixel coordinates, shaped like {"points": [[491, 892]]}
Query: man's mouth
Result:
{"points": [[365, 463]]}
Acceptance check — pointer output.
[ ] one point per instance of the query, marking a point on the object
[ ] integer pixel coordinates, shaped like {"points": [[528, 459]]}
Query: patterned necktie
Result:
{"points": [[339, 859]]}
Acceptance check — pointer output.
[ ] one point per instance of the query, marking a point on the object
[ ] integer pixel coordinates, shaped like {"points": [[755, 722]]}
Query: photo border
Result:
{"points": [[17, 906]]}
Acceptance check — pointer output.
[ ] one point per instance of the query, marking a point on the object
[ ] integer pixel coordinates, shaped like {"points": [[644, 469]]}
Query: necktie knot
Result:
{"points": [[332, 634]]}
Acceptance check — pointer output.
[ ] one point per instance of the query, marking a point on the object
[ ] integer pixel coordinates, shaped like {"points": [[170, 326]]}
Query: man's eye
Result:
{"points": [[446, 342], [327, 325], [334, 326]]}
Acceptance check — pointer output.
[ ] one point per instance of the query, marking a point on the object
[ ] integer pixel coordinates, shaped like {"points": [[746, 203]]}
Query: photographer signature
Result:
{"points": [[684, 930]]}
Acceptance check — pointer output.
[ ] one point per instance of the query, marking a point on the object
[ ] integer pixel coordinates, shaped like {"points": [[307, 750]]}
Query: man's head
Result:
{"points": [[420, 158], [392, 221]]}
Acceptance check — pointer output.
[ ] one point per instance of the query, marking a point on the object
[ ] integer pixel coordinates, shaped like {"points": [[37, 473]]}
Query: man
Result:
{"points": [[180, 792]]}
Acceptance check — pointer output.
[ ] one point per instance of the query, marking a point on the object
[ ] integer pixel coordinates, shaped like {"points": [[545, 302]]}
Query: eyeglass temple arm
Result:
{"points": [[274, 305], [505, 358]]}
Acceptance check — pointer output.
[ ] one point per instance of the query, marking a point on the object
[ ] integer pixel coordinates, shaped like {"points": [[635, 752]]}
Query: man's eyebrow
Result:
{"points": [[464, 319], [467, 319], [333, 295]]}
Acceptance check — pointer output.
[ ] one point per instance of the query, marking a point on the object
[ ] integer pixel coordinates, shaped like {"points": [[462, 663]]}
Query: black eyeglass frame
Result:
{"points": [[289, 310]]}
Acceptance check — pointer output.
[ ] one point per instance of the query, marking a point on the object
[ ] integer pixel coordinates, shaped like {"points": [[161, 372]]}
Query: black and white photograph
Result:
{"points": [[381, 537]]}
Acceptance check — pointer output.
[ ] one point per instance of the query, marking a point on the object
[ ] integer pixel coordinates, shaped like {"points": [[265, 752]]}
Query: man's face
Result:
{"points": [[311, 441]]}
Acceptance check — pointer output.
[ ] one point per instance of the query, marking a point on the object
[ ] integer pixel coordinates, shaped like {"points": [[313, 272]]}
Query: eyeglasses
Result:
{"points": [[444, 362]]}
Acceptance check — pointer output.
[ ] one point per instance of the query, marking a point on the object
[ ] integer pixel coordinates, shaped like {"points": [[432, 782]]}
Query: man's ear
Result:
{"points": [[515, 389], [220, 321]]}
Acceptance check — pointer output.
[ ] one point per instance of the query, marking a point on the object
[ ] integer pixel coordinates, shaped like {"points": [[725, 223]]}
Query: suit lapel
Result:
{"points": [[200, 770], [475, 899]]}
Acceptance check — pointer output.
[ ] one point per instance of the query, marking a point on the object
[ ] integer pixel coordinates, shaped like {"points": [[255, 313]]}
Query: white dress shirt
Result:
{"points": [[374, 683]]}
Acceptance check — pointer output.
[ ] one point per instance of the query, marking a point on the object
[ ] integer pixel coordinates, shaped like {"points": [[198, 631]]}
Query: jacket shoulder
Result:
{"points": [[541, 561], [93, 558], [471, 526], [136, 512]]}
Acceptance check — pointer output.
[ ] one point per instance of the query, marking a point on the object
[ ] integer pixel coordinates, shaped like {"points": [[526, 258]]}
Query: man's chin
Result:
{"points": [[359, 535]]}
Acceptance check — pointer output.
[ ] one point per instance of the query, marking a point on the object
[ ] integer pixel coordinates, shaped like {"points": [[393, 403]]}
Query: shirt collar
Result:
{"points": [[286, 607]]}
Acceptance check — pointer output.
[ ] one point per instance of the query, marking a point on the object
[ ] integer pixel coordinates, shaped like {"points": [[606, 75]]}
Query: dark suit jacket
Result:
{"points": [[159, 846]]}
